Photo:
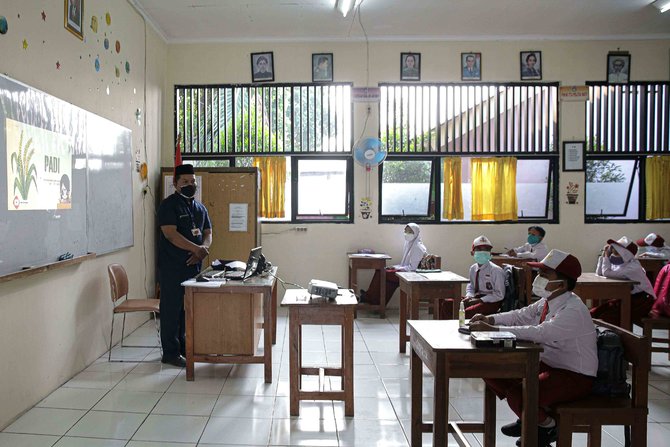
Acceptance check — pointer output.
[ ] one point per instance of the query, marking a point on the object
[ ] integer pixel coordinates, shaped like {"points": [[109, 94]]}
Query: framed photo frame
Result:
{"points": [[410, 66], [573, 155], [531, 65], [262, 67], [74, 17], [322, 67], [618, 68], [471, 66]]}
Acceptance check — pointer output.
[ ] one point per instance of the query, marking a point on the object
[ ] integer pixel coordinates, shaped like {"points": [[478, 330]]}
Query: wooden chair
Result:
{"points": [[588, 415], [660, 323], [118, 281], [429, 262]]}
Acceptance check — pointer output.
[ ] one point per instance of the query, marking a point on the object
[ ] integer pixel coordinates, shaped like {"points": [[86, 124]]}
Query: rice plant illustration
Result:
{"points": [[26, 172]]}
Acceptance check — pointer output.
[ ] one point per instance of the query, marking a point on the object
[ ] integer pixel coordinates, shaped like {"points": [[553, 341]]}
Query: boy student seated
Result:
{"points": [[653, 246], [561, 323], [534, 248], [412, 252], [618, 261], [486, 289]]}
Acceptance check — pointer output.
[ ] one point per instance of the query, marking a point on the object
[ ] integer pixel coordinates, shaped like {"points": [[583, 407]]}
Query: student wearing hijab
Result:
{"points": [[412, 252], [618, 261], [534, 248], [653, 246]]}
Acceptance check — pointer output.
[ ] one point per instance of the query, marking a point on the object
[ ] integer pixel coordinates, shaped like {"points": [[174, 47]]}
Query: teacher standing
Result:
{"points": [[185, 237]]}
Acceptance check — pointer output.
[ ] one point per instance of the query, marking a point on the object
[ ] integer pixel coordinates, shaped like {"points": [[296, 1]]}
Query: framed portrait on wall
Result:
{"points": [[262, 67], [410, 66], [531, 65], [322, 67], [471, 66], [74, 16], [618, 68], [573, 155]]}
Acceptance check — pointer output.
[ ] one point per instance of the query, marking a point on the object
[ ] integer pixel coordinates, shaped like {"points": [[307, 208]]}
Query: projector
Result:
{"points": [[323, 288]]}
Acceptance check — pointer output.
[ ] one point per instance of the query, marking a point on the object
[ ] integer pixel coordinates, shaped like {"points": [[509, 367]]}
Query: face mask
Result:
{"points": [[533, 239], [482, 257], [540, 286], [188, 190], [616, 260], [409, 237]]}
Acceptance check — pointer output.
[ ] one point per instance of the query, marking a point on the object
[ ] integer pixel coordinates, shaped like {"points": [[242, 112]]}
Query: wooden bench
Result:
{"points": [[588, 415]]}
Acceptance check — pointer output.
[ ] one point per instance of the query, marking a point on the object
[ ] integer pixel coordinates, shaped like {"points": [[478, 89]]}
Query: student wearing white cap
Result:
{"points": [[486, 289], [653, 246], [618, 261], [561, 323]]}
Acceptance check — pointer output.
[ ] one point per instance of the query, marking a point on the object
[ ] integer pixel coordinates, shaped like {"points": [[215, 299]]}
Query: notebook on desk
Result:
{"points": [[493, 339]]}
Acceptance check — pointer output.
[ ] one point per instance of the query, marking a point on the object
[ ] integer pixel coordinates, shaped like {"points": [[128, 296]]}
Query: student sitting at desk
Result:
{"points": [[618, 261], [653, 246], [486, 289], [534, 248], [412, 253], [561, 323]]}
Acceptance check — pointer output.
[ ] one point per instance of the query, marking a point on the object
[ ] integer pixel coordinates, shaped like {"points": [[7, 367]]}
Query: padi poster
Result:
{"points": [[39, 168]]}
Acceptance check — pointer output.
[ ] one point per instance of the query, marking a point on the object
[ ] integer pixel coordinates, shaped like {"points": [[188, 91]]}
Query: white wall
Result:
{"points": [[321, 251], [54, 324]]}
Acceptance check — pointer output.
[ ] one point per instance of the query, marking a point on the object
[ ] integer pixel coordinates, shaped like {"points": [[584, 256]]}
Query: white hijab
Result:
{"points": [[413, 250]]}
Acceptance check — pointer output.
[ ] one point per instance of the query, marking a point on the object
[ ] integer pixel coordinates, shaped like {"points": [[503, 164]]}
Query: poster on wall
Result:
{"points": [[39, 168]]}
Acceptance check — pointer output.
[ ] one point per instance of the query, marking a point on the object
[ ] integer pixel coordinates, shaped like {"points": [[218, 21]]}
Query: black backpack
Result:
{"points": [[510, 301], [611, 378]]}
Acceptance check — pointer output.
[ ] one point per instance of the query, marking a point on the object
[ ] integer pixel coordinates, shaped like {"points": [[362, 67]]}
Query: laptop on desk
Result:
{"points": [[250, 270]]}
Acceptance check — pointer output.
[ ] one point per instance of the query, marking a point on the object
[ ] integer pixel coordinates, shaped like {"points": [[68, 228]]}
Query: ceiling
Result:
{"points": [[406, 20]]}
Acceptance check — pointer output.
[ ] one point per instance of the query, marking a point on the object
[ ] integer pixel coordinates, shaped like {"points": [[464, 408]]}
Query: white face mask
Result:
{"points": [[540, 286], [409, 237]]}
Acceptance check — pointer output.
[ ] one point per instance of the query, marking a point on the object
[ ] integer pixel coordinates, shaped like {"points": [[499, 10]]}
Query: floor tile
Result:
{"points": [[246, 406], [185, 404], [23, 440], [68, 441], [237, 431], [307, 432], [73, 398], [128, 401], [167, 428], [107, 424], [45, 421]]}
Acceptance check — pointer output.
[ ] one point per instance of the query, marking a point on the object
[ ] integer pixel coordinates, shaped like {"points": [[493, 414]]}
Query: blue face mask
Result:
{"points": [[482, 257], [533, 239], [616, 260]]}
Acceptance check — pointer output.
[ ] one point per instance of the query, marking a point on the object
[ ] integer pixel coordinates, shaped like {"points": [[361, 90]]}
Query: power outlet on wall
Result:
{"points": [[302, 229]]}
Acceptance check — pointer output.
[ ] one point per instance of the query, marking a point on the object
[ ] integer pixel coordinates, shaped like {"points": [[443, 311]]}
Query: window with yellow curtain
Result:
{"points": [[452, 196], [494, 188], [657, 173], [273, 181]]}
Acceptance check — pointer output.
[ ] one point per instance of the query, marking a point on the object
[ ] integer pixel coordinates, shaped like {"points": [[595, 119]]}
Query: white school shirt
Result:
{"points": [[631, 269], [567, 334], [537, 251], [654, 252], [491, 282]]}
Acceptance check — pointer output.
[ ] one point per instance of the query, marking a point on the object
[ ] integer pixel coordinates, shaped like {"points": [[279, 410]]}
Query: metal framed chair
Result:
{"points": [[118, 282]]}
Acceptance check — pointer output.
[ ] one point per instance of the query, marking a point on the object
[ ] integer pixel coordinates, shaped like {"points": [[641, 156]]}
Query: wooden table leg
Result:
{"points": [[348, 362], [402, 335], [530, 401], [624, 295], [274, 313], [489, 417], [267, 335], [294, 360], [188, 315], [440, 403], [382, 292], [416, 367]]}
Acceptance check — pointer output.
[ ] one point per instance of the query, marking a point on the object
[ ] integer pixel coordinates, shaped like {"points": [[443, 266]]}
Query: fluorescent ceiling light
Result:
{"points": [[346, 6], [662, 5]]}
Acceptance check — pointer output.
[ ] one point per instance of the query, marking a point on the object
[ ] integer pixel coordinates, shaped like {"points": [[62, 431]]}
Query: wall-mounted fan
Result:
{"points": [[369, 152]]}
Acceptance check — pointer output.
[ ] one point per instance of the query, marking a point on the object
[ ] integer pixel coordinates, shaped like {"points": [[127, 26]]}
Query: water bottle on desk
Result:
{"points": [[461, 314]]}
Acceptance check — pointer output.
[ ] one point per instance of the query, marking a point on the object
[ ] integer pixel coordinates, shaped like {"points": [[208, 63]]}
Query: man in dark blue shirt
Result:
{"points": [[185, 237]]}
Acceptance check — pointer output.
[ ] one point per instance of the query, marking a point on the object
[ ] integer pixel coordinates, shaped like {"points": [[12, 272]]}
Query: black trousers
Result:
{"points": [[173, 325]]}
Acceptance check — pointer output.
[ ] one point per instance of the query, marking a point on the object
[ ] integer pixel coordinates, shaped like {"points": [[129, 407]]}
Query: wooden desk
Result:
{"points": [[528, 272], [376, 262], [598, 288], [414, 286], [223, 321], [449, 354], [318, 310], [652, 266]]}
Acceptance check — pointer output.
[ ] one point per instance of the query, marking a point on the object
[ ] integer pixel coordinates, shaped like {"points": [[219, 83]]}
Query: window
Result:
{"points": [[625, 126], [309, 124], [424, 125]]}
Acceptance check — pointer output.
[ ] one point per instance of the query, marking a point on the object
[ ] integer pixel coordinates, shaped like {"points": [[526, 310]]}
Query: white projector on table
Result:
{"points": [[323, 288]]}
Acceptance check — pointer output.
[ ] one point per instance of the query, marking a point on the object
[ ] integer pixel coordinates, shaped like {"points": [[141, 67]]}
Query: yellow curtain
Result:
{"points": [[273, 181], [452, 196], [657, 173], [494, 188]]}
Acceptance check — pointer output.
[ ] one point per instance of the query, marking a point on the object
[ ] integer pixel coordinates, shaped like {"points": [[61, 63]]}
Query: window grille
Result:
{"points": [[492, 119], [225, 120]]}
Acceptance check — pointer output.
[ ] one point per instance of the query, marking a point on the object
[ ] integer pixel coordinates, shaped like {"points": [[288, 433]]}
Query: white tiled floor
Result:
{"points": [[152, 405]]}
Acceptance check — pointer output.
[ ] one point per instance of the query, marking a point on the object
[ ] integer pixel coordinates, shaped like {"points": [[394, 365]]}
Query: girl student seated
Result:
{"points": [[412, 252], [618, 261]]}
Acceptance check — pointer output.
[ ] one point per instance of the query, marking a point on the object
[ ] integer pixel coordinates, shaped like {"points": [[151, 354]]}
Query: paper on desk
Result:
{"points": [[368, 255], [441, 276], [206, 284]]}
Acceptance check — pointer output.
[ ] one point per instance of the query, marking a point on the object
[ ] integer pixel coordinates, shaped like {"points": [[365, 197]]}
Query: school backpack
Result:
{"points": [[510, 300], [611, 378]]}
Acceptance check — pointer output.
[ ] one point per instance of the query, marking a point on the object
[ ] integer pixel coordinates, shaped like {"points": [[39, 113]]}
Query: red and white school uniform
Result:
{"points": [[487, 282]]}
